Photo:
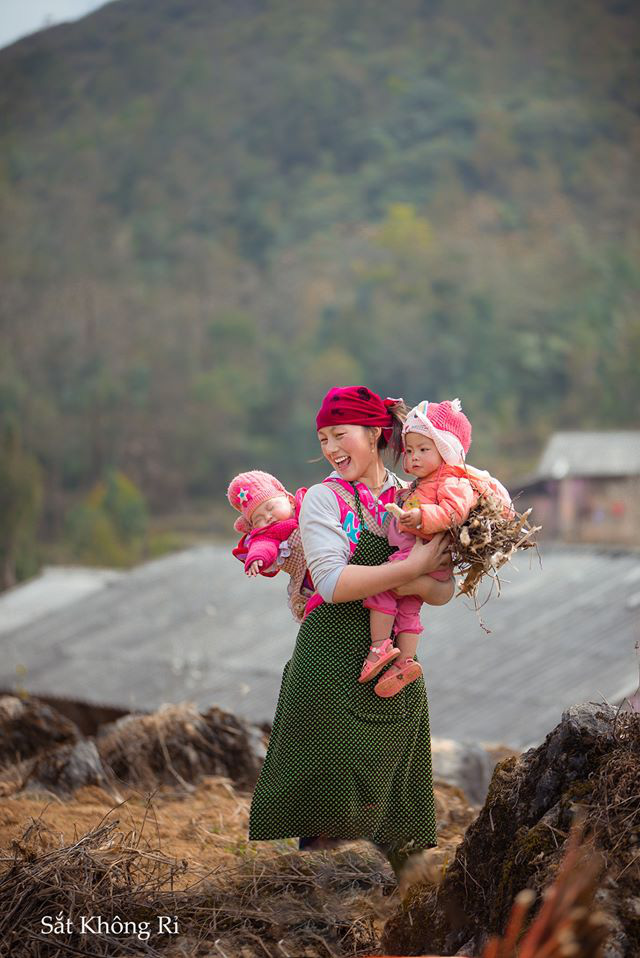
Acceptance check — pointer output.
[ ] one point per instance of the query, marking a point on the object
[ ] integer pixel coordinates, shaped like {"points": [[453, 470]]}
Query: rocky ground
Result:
{"points": [[148, 816], [590, 763]]}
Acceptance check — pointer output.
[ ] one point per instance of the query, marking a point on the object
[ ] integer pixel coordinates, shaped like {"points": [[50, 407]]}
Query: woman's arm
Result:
{"points": [[358, 582], [325, 543], [432, 591]]}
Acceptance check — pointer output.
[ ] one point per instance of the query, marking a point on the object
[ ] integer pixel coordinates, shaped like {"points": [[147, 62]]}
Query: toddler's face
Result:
{"points": [[270, 511], [421, 455]]}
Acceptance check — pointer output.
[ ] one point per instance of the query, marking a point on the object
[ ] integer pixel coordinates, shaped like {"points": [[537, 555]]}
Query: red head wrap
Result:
{"points": [[356, 405]]}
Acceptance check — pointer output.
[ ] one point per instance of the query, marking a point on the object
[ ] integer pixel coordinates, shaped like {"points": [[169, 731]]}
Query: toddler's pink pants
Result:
{"points": [[405, 608]]}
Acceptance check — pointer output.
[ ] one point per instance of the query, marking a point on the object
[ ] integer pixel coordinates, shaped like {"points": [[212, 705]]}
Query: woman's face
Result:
{"points": [[350, 449]]}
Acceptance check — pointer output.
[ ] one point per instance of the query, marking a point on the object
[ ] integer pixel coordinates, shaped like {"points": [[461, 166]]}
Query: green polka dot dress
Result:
{"points": [[343, 762]]}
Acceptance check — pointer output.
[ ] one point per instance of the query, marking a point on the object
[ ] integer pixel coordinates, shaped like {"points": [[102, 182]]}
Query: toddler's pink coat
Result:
{"points": [[444, 496]]}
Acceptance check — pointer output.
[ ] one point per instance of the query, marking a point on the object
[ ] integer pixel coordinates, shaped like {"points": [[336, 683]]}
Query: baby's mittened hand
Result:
{"points": [[410, 519], [255, 567]]}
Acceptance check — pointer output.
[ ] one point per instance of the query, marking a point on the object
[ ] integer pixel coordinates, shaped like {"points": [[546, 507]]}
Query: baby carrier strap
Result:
{"points": [[352, 500], [295, 564]]}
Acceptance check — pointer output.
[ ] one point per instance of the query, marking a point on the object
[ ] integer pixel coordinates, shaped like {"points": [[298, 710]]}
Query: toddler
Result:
{"points": [[436, 437], [271, 537]]}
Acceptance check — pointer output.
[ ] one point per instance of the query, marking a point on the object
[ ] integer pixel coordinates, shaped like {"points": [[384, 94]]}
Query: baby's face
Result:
{"points": [[270, 511], [421, 456]]}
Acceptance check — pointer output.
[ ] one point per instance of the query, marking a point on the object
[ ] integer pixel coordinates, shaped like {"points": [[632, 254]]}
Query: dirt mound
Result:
{"points": [[180, 744], [591, 760], [42, 750], [29, 727]]}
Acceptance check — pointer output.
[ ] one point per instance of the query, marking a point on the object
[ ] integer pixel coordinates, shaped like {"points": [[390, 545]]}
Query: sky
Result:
{"points": [[20, 17]]}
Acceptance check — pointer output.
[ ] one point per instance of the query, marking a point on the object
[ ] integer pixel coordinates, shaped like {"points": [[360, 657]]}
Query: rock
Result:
{"points": [[467, 765], [63, 769], [86, 716], [517, 839], [29, 727], [466, 949], [257, 742]]}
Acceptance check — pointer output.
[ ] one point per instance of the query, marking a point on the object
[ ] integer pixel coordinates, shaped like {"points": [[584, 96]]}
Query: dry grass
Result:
{"points": [[314, 904], [171, 853]]}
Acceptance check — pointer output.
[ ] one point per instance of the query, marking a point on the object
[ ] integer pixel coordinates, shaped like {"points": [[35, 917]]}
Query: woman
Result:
{"points": [[342, 762]]}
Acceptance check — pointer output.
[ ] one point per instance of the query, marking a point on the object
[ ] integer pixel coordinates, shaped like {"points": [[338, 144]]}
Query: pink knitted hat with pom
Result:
{"points": [[446, 424], [248, 489]]}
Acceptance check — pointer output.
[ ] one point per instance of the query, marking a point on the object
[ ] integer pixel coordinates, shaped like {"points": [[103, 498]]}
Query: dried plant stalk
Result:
{"points": [[489, 537]]}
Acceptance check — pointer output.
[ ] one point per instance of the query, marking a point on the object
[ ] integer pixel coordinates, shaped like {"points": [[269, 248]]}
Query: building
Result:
{"points": [[190, 626], [586, 488]]}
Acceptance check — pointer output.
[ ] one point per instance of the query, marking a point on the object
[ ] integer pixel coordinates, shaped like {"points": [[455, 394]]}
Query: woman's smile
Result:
{"points": [[348, 448]]}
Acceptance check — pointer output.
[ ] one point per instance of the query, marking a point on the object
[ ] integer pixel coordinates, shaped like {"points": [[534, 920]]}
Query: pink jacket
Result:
{"points": [[449, 494], [264, 543]]}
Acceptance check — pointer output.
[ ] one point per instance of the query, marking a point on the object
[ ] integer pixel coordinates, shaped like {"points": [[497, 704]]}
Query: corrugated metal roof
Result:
{"points": [[55, 587], [191, 626], [590, 454]]}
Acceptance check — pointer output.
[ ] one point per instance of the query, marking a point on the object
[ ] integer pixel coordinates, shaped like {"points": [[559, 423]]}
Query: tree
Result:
{"points": [[20, 504]]}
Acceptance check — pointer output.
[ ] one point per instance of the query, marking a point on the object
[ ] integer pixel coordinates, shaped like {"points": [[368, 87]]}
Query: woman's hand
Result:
{"points": [[356, 582], [430, 556]]}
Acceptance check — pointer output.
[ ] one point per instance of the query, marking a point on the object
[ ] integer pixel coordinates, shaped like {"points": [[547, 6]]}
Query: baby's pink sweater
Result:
{"points": [[264, 543]]}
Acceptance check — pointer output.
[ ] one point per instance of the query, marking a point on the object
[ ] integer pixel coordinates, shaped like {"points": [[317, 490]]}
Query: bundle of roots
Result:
{"points": [[486, 540]]}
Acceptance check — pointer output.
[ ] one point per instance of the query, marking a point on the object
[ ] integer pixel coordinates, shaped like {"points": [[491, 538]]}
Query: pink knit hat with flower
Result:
{"points": [[446, 424], [248, 489]]}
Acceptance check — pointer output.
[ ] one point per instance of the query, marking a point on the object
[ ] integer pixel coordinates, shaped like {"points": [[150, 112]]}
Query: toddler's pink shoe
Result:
{"points": [[386, 653], [396, 678]]}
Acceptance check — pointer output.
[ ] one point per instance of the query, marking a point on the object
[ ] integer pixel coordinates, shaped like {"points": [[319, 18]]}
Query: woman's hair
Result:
{"points": [[394, 444]]}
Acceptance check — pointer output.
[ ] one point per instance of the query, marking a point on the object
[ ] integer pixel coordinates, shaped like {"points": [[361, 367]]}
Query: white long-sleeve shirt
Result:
{"points": [[325, 543]]}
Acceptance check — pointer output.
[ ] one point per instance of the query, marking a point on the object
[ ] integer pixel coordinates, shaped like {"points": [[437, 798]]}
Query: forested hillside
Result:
{"points": [[215, 210]]}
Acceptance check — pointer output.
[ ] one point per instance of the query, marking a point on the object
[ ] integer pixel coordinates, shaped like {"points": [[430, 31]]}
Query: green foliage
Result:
{"points": [[20, 505], [218, 214], [93, 539], [123, 503], [108, 528]]}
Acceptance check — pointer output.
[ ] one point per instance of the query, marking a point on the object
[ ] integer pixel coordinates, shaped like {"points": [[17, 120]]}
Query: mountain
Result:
{"points": [[215, 210]]}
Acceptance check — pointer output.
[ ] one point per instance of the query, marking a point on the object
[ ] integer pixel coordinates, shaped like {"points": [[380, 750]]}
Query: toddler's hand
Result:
{"points": [[255, 567], [410, 519], [394, 509]]}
